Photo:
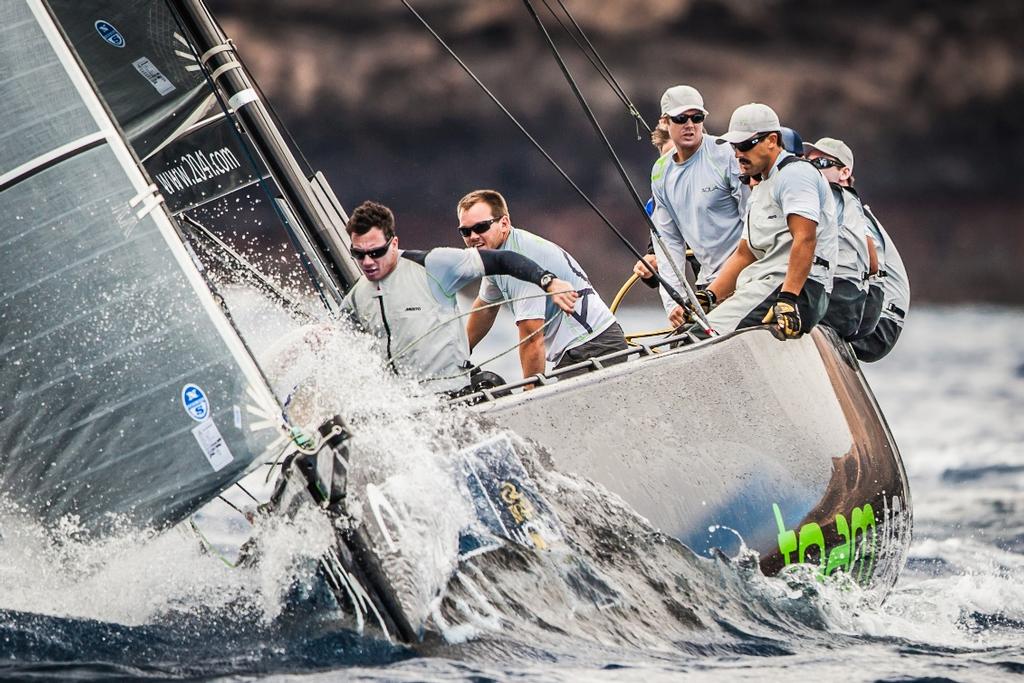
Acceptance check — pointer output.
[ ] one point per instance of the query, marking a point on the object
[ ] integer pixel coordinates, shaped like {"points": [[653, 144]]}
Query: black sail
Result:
{"points": [[127, 395]]}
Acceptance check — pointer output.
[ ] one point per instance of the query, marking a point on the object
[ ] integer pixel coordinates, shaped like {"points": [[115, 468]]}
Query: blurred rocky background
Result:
{"points": [[930, 96]]}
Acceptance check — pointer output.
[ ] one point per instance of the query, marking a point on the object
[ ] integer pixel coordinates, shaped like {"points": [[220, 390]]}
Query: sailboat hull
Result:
{"points": [[741, 440]]}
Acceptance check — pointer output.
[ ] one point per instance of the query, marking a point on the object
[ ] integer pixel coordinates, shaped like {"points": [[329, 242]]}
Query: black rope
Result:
{"points": [[264, 282], [640, 204], [246, 492], [231, 505], [600, 214], [600, 65]]}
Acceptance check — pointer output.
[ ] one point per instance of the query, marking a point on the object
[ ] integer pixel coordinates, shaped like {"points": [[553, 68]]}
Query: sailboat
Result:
{"points": [[131, 399]]}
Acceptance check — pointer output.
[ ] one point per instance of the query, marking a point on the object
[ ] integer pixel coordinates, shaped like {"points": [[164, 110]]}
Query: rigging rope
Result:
{"points": [[691, 303], [264, 281], [438, 326], [599, 65], [661, 280]]}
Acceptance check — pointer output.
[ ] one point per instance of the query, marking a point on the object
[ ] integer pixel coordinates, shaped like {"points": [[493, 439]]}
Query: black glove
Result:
{"points": [[707, 299], [786, 316]]}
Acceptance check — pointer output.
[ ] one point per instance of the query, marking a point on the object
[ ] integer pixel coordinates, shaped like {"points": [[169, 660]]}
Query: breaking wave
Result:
{"points": [[618, 599]]}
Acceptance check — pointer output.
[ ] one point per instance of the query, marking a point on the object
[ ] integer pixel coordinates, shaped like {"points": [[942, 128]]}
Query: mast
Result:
{"points": [[311, 207]]}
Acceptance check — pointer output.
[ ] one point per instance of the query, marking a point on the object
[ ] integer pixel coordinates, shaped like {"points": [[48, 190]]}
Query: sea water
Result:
{"points": [[953, 392]]}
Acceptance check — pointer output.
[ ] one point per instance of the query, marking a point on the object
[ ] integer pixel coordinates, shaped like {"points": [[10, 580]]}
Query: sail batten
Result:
{"points": [[123, 378]]}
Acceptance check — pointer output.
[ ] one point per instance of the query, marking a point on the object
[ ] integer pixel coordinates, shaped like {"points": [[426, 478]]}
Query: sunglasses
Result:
{"points": [[683, 118], [479, 228], [825, 162], [750, 144], [379, 252]]}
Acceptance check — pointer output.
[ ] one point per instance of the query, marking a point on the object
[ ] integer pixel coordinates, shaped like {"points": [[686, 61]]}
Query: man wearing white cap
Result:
{"points": [[698, 196], [858, 259], [782, 270], [876, 342]]}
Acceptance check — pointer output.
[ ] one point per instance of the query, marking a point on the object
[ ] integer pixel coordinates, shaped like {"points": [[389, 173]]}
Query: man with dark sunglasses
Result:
{"points": [[781, 272], [698, 196], [858, 260], [588, 331], [888, 298], [408, 298]]}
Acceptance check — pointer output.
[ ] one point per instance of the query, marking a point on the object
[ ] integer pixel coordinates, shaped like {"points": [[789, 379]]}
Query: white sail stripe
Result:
{"points": [[185, 55], [193, 67], [191, 122], [110, 407], [181, 39], [228, 335], [270, 411], [44, 159], [259, 411]]}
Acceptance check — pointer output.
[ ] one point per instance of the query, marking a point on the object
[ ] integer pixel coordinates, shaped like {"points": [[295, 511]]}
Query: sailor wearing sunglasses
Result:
{"points": [[782, 270], [858, 258], [588, 331], [698, 195], [405, 297], [888, 298]]}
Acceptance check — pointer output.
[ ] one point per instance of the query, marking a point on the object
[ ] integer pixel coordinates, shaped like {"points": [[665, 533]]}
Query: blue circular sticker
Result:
{"points": [[195, 402], [109, 33]]}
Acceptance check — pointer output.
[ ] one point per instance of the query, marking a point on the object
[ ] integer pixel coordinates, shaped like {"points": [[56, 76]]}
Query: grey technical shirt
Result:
{"points": [[402, 308], [854, 259], [591, 316], [796, 189], [894, 280], [800, 189], [697, 204]]}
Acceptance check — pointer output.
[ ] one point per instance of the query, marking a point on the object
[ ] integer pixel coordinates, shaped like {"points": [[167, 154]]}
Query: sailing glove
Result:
{"points": [[707, 299], [786, 316]]}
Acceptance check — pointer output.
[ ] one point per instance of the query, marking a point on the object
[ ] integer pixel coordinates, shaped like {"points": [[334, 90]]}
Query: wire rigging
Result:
{"points": [[595, 59], [691, 302], [618, 233]]}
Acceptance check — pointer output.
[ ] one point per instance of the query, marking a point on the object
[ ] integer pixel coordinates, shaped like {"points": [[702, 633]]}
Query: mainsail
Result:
{"points": [[127, 394]]}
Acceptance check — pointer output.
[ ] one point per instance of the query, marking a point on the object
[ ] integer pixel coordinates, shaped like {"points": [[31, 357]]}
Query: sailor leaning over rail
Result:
{"points": [[858, 259], [589, 331], [782, 270], [408, 298], [875, 342], [698, 195]]}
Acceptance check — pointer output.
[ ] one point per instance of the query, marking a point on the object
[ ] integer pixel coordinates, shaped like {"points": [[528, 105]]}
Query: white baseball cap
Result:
{"points": [[680, 98], [836, 149], [748, 120]]}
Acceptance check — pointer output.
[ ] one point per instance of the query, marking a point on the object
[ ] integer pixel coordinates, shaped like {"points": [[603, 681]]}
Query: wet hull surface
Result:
{"points": [[779, 444]]}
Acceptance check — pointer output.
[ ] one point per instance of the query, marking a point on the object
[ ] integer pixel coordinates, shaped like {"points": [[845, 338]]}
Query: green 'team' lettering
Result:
{"points": [[855, 552]]}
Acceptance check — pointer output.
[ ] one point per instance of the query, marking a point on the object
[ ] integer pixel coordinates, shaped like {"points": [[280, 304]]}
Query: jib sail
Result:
{"points": [[126, 393]]}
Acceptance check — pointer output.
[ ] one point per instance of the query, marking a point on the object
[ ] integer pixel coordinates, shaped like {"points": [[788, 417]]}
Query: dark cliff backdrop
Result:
{"points": [[930, 96]]}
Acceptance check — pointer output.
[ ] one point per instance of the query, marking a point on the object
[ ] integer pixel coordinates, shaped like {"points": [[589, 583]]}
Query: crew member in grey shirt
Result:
{"points": [[781, 272], [858, 260], [698, 196], [590, 330], [408, 298], [877, 342]]}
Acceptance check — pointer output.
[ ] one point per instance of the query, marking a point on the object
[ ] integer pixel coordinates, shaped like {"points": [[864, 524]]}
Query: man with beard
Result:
{"points": [[858, 259], [782, 269]]}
